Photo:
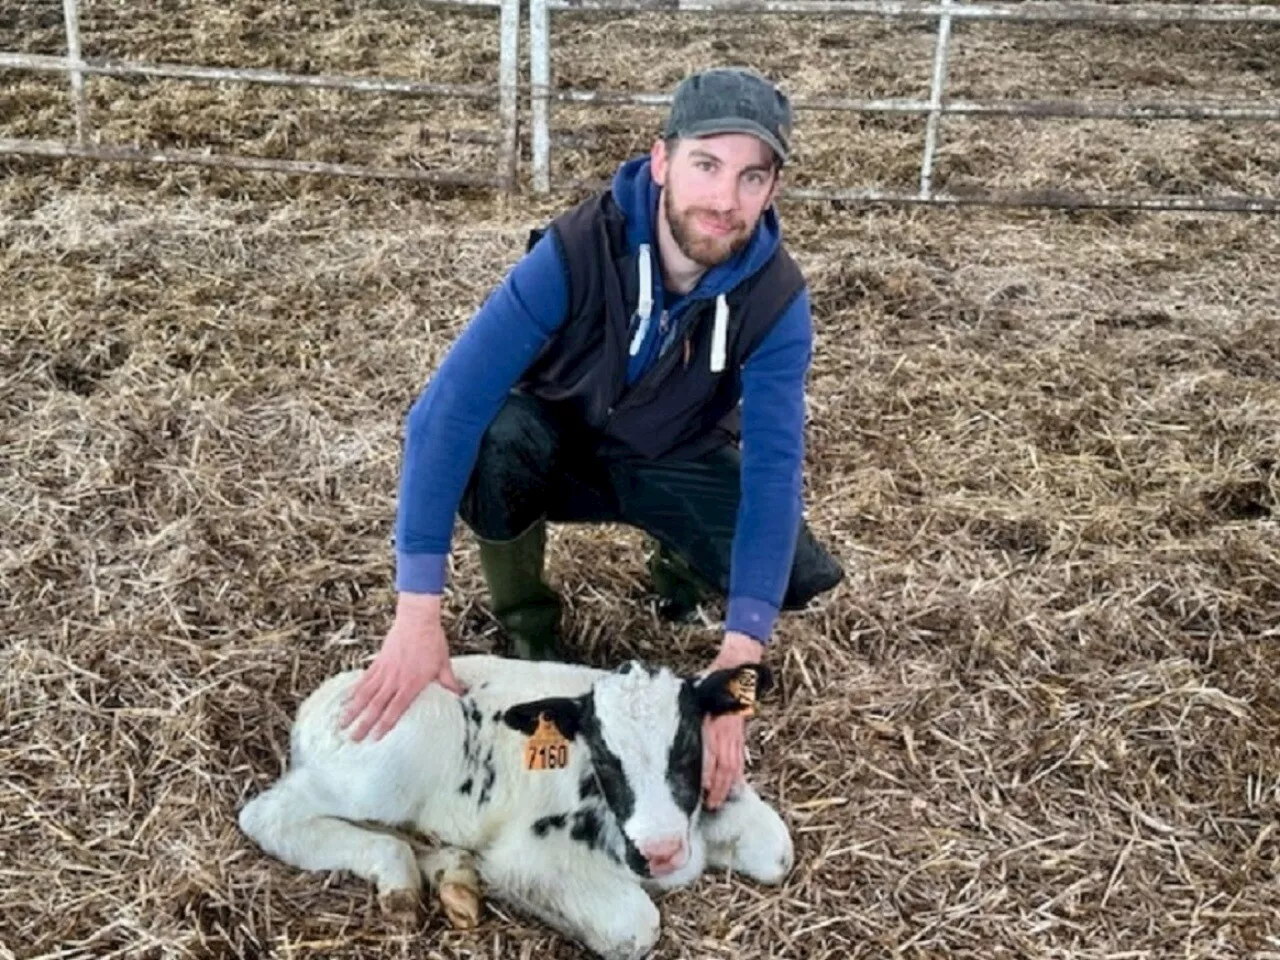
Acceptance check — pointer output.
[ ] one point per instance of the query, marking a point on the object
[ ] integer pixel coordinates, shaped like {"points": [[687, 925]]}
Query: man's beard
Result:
{"points": [[702, 249]]}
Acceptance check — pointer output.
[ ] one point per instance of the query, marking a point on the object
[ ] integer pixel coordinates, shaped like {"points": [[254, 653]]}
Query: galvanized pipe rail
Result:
{"points": [[1032, 11], [232, 161], [182, 71], [1082, 109]]}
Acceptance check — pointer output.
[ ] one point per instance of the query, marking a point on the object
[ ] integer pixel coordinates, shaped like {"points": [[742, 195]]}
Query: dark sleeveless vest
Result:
{"points": [[679, 407]]}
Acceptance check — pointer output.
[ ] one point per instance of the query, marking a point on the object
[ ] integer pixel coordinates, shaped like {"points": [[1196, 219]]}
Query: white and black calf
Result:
{"points": [[574, 793]]}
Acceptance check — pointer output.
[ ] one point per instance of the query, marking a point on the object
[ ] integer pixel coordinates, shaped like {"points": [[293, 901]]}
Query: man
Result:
{"points": [[605, 380]]}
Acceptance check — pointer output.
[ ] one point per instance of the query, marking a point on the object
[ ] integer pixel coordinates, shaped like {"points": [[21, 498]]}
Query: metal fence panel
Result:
{"points": [[77, 68], [507, 90], [936, 107]]}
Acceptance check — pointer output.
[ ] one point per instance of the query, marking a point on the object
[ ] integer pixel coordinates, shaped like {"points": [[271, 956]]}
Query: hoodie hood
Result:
{"points": [[637, 195]]}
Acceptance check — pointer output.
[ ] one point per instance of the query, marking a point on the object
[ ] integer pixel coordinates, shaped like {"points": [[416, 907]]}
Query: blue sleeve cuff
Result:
{"points": [[420, 572], [753, 617]]}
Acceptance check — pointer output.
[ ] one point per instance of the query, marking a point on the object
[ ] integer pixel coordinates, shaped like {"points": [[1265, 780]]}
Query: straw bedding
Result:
{"points": [[1040, 717]]}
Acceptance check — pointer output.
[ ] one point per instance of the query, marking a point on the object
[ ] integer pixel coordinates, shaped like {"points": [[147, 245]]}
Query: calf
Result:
{"points": [[573, 792]]}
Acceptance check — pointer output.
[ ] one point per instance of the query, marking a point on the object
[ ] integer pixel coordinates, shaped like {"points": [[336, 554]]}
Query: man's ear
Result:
{"points": [[734, 690], [659, 160], [776, 189], [561, 712]]}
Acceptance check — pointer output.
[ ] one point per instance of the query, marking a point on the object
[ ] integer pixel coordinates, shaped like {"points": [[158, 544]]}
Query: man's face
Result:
{"points": [[715, 190]]}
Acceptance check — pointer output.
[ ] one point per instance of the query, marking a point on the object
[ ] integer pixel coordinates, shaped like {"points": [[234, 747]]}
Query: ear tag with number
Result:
{"points": [[743, 689], [546, 748]]}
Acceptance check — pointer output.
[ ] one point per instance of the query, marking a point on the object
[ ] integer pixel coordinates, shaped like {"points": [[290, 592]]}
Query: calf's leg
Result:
{"points": [[293, 822], [592, 904], [748, 836]]}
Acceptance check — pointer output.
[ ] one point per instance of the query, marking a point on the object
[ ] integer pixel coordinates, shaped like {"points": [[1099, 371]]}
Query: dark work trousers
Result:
{"points": [[535, 465]]}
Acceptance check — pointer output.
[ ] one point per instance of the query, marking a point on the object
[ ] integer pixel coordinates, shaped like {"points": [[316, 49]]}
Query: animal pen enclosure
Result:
{"points": [[934, 108], [1039, 719]]}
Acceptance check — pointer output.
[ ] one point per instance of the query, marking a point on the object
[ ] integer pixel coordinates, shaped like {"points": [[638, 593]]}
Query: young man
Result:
{"points": [[607, 379]]}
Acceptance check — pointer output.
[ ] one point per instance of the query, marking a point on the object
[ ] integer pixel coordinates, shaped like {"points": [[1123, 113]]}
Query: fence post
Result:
{"points": [[509, 92], [540, 92], [937, 86], [71, 16]]}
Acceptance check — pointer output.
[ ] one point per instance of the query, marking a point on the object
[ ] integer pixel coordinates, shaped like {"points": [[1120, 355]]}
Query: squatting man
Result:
{"points": [[643, 363]]}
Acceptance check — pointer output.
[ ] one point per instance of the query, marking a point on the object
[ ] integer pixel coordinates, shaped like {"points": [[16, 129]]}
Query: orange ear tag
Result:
{"points": [[546, 748], [743, 689]]}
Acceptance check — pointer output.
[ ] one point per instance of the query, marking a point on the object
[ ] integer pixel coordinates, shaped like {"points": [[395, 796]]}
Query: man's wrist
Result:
{"points": [[418, 604], [738, 648]]}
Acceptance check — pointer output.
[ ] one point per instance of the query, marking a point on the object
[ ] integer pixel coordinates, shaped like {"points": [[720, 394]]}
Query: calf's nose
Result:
{"points": [[665, 853]]}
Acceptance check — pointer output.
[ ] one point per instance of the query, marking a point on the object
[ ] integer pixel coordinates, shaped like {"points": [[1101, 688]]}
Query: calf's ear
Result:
{"points": [[563, 713], [734, 690]]}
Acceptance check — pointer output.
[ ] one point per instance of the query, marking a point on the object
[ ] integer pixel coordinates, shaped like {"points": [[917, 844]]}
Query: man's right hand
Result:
{"points": [[414, 653]]}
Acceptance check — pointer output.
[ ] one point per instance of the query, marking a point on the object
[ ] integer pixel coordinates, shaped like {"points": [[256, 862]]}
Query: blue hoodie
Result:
{"points": [[447, 422]]}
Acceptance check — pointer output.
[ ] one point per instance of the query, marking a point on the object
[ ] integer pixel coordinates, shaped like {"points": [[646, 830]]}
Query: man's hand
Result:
{"points": [[724, 737], [414, 654]]}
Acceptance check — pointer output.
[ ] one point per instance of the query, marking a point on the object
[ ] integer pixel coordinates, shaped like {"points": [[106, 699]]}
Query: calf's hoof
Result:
{"points": [[630, 934], [767, 854], [399, 904], [461, 903], [451, 871]]}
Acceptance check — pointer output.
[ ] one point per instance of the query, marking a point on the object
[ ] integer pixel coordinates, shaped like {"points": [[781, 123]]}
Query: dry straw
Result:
{"points": [[1040, 717]]}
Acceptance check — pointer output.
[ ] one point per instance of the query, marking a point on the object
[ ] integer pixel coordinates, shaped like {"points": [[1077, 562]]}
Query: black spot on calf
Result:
{"points": [[608, 768], [684, 761], [490, 777], [544, 825], [470, 731], [588, 829]]}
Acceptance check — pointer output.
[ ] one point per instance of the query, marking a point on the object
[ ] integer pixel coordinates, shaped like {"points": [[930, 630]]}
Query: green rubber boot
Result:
{"points": [[680, 588], [527, 609]]}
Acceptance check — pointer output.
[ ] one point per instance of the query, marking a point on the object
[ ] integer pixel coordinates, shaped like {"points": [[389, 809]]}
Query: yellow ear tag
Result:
{"points": [[743, 689], [547, 748]]}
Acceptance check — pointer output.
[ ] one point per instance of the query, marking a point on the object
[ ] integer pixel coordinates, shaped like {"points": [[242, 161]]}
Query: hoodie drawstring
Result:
{"points": [[720, 334], [644, 309]]}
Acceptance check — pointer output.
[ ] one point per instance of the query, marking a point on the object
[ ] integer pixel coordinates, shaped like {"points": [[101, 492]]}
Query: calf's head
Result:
{"points": [[642, 729]]}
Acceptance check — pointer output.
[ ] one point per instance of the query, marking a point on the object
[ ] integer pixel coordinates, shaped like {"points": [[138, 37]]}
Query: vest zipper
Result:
{"points": [[651, 380]]}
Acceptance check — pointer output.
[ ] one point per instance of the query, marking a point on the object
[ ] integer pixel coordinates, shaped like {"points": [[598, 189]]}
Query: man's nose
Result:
{"points": [[725, 195]]}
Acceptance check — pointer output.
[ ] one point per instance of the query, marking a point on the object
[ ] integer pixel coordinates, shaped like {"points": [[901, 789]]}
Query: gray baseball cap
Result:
{"points": [[731, 100]]}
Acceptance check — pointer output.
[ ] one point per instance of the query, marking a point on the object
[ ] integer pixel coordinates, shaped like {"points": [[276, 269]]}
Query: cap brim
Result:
{"points": [[708, 128]]}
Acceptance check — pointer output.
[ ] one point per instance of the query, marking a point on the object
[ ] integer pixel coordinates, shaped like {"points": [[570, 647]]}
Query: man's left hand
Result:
{"points": [[724, 737]]}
